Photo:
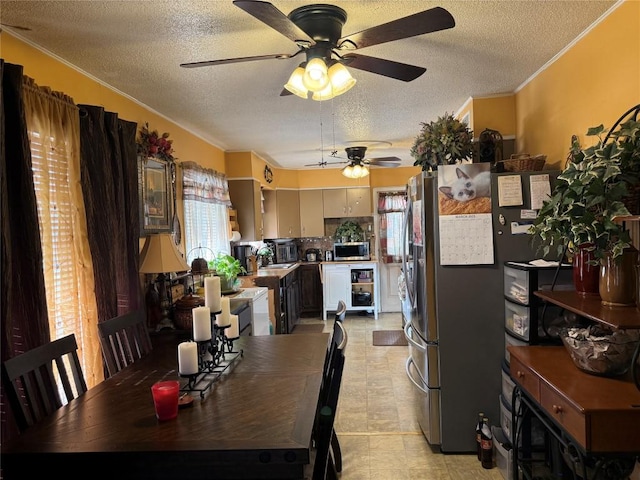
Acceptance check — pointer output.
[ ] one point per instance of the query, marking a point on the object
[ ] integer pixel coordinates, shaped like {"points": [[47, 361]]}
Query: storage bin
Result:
{"points": [[521, 280], [510, 341], [517, 320], [516, 284], [505, 418], [507, 384], [503, 453]]}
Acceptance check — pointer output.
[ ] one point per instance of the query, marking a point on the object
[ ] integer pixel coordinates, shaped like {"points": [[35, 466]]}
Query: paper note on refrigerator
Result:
{"points": [[540, 190], [466, 239], [509, 190]]}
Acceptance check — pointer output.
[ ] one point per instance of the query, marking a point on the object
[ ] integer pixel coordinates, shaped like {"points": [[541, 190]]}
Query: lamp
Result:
{"points": [[324, 83], [160, 255], [355, 170]]}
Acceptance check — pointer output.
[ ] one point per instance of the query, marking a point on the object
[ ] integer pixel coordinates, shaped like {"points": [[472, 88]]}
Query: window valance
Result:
{"points": [[204, 184]]}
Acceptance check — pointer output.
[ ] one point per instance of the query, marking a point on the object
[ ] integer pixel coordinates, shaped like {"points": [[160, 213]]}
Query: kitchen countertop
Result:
{"points": [[283, 272]]}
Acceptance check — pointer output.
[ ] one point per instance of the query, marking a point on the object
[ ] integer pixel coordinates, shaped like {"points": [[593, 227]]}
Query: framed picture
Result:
{"points": [[155, 195]]}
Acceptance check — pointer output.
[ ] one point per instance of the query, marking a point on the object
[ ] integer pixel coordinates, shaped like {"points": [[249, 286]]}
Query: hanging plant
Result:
{"points": [[446, 141], [152, 144]]}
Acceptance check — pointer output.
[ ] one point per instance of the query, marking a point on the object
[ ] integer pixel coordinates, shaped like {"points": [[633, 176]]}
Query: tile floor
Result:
{"points": [[376, 424]]}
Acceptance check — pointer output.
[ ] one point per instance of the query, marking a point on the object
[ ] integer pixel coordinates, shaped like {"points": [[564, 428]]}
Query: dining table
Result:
{"points": [[255, 420]]}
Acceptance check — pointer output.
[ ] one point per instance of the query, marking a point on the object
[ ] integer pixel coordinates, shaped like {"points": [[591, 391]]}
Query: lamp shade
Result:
{"points": [[355, 170], [160, 255], [340, 79], [315, 76], [295, 85]]}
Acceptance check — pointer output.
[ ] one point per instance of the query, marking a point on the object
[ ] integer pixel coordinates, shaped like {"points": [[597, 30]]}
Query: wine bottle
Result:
{"points": [[479, 435], [486, 444]]}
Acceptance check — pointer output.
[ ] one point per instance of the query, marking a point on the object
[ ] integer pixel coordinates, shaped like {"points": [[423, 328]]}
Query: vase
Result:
{"points": [[227, 284], [586, 273], [617, 285]]}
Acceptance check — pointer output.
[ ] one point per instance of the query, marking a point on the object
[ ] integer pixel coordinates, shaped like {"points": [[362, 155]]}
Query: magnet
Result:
{"points": [[501, 219]]}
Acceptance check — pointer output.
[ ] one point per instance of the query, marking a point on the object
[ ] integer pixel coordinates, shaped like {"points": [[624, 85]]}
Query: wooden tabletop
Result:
{"points": [[256, 418]]}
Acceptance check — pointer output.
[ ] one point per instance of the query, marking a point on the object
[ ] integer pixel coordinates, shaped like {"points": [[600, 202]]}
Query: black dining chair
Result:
{"points": [[328, 460], [123, 340], [30, 380]]}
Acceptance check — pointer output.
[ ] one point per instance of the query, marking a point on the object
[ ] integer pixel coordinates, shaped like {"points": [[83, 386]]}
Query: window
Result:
{"points": [[205, 194], [391, 207]]}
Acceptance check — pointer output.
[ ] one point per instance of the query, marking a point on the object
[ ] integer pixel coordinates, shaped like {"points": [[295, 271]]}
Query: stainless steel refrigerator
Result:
{"points": [[454, 317]]}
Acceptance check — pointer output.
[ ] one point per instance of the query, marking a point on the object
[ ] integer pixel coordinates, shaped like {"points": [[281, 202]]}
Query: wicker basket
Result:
{"points": [[523, 162]]}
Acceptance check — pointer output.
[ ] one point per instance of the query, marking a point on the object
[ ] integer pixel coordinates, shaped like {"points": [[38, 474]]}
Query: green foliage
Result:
{"points": [[589, 194], [351, 230], [227, 266], [446, 141]]}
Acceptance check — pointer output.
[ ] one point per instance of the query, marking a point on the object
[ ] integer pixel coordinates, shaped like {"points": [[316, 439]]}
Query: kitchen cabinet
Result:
{"points": [[357, 284], [311, 213], [281, 214], [310, 289], [246, 198], [346, 202], [290, 296]]}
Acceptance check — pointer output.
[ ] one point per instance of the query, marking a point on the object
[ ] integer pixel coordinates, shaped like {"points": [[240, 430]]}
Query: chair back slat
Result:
{"points": [[33, 386], [123, 340]]}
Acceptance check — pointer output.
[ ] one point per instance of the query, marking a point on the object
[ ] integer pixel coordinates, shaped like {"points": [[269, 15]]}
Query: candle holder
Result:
{"points": [[215, 356]]}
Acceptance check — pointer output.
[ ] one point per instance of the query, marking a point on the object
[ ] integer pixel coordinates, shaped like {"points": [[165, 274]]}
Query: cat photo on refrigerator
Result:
{"points": [[464, 189], [467, 187]]}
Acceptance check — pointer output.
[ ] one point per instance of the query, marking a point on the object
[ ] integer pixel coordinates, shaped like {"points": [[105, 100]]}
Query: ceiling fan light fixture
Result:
{"points": [[340, 79], [355, 170], [316, 76], [326, 94], [296, 85]]}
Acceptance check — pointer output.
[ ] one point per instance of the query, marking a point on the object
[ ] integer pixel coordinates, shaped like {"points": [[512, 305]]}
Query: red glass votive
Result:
{"points": [[165, 399]]}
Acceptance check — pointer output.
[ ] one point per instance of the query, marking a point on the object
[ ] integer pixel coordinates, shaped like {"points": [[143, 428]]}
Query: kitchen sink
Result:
{"points": [[280, 265]]}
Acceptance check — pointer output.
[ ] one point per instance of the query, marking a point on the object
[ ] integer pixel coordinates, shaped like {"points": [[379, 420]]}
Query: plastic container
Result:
{"points": [[507, 384], [503, 453], [510, 341], [517, 319]]}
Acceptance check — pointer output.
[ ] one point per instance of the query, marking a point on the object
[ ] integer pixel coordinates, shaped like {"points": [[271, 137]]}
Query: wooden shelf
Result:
{"points": [[591, 307]]}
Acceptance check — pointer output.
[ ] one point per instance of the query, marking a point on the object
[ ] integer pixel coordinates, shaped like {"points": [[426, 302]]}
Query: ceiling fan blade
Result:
{"points": [[269, 14], [285, 92], [431, 20], [384, 161], [388, 68], [210, 63]]}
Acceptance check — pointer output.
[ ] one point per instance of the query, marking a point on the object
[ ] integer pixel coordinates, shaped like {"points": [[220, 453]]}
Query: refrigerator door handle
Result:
{"points": [[405, 241], [408, 370], [421, 346]]}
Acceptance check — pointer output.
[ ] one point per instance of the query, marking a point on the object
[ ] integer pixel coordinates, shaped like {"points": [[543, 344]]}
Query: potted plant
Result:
{"points": [[228, 269], [265, 255], [445, 141], [589, 194], [349, 232]]}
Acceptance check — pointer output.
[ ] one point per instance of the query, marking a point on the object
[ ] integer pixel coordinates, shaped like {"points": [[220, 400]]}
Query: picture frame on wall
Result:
{"points": [[155, 195]]}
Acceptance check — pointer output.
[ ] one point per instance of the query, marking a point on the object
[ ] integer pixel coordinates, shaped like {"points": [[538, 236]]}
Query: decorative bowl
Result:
{"points": [[598, 351]]}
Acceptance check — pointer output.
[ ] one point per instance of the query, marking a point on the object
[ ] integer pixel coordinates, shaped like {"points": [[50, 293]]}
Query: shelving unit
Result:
{"points": [[350, 282]]}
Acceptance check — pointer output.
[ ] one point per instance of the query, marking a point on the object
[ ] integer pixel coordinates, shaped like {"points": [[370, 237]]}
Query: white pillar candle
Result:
{"points": [[188, 358], [212, 293], [234, 330], [222, 320], [201, 324]]}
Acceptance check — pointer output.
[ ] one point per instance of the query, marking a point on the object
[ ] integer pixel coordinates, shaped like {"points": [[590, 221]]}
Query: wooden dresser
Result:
{"points": [[594, 419]]}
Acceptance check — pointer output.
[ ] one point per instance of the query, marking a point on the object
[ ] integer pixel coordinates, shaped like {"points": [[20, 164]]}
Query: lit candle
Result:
{"points": [[188, 358], [234, 330], [212, 293], [201, 324], [222, 320]]}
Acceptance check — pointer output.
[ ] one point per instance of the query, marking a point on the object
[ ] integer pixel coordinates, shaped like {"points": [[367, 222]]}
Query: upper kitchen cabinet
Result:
{"points": [[311, 213], [281, 214], [346, 202], [246, 198]]}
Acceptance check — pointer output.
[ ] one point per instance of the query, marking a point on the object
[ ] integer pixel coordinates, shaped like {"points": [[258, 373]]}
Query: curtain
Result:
{"points": [[110, 186], [54, 131], [391, 207], [205, 194], [23, 303]]}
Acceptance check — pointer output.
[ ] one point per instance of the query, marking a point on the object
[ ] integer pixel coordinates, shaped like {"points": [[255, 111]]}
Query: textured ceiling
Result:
{"points": [[136, 47]]}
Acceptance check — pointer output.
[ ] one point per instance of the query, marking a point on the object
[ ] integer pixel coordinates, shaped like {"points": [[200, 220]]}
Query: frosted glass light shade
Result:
{"points": [[315, 76], [340, 79], [295, 84], [355, 171], [325, 94]]}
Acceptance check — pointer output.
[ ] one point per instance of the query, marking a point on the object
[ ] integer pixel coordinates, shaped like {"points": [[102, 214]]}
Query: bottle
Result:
{"points": [[486, 444], [479, 435]]}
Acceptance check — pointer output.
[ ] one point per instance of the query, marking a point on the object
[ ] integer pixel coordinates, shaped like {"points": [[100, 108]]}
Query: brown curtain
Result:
{"points": [[110, 185], [24, 322]]}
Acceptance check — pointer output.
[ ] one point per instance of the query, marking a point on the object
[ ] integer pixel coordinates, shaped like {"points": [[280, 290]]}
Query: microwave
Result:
{"points": [[286, 252], [351, 251]]}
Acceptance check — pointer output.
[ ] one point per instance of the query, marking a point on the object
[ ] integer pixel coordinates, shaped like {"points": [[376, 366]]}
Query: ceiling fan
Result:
{"points": [[355, 156], [317, 32]]}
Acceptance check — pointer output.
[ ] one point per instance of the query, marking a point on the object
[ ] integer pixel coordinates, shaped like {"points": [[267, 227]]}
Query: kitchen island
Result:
{"points": [[355, 283]]}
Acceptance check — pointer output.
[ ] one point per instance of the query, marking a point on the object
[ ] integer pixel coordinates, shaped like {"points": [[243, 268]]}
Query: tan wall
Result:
{"points": [[593, 83], [496, 113]]}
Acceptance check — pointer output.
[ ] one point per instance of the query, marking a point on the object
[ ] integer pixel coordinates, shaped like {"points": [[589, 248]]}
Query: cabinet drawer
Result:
{"points": [[525, 377], [510, 341], [516, 284], [558, 408], [517, 320]]}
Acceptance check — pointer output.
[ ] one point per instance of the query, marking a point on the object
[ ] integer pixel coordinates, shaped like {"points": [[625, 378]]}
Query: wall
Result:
{"points": [[592, 83]]}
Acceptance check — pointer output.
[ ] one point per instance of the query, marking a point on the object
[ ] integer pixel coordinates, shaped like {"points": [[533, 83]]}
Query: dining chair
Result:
{"points": [[325, 464], [36, 379], [123, 340]]}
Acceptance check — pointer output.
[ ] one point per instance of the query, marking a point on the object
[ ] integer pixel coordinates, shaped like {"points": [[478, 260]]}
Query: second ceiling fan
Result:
{"points": [[317, 32]]}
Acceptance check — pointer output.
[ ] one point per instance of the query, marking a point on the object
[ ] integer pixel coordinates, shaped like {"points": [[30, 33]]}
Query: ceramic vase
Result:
{"points": [[586, 273], [617, 285]]}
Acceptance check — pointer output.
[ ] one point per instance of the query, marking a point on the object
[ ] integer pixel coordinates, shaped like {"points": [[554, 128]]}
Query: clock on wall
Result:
{"points": [[268, 174]]}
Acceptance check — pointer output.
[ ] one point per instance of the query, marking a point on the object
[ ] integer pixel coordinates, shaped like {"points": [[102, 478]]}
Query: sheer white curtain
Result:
{"points": [[205, 194], [54, 131], [391, 206]]}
